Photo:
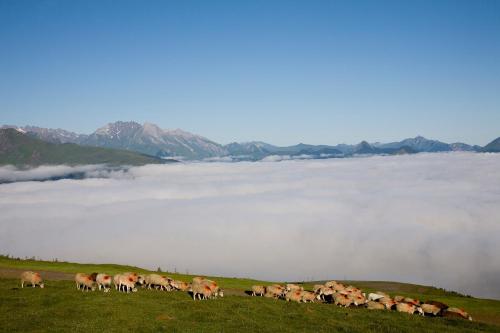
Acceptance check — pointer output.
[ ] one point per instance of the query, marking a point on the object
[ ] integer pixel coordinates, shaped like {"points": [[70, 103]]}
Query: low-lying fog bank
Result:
{"points": [[11, 174], [426, 218]]}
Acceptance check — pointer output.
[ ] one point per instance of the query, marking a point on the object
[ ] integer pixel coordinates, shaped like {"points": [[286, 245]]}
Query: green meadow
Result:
{"points": [[59, 307]]}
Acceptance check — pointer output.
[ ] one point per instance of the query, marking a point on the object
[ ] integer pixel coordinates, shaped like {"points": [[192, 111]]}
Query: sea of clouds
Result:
{"points": [[11, 174], [427, 218]]}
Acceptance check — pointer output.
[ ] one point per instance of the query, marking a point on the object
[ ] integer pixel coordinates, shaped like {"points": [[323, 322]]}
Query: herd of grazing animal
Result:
{"points": [[350, 296], [202, 288]]}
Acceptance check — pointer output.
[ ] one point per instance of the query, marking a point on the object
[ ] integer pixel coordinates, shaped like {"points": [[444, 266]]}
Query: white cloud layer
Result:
{"points": [[10, 173], [426, 218]]}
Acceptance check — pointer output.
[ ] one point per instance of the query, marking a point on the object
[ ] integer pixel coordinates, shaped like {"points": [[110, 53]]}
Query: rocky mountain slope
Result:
{"points": [[19, 148]]}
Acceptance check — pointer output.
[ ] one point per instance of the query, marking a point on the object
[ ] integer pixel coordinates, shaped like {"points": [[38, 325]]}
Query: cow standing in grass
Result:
{"points": [[32, 278], [103, 281], [205, 289], [85, 282], [258, 290]]}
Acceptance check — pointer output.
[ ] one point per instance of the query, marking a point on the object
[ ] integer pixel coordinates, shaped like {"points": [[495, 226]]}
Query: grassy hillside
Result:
{"points": [[60, 307], [17, 148], [65, 267]]}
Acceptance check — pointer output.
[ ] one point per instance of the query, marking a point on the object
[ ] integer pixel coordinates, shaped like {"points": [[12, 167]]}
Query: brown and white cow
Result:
{"points": [[456, 313], [103, 281], [85, 282], [32, 278], [258, 290]]}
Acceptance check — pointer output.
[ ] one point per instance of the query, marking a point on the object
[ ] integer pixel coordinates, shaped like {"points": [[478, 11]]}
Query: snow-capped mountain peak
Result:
{"points": [[150, 139]]}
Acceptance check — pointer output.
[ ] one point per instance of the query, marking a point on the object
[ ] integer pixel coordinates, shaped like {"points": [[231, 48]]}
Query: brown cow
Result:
{"points": [[430, 309], [456, 313], [374, 305], [294, 295], [103, 281], [258, 290], [31, 278], [84, 282]]}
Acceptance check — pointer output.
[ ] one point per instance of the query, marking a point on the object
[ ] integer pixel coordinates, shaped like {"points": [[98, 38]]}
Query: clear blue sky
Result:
{"points": [[278, 71]]}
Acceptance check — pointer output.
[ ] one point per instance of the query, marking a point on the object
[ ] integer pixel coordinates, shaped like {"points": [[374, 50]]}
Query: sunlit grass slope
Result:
{"points": [[60, 307]]}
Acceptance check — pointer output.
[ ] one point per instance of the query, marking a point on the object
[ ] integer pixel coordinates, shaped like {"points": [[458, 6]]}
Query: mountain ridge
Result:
{"points": [[493, 146], [151, 139], [19, 149]]}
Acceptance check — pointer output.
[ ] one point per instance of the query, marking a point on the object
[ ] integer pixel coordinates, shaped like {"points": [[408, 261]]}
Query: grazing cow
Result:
{"points": [[342, 300], [357, 299], [216, 291], [84, 282], [32, 278], [258, 290], [430, 309], [440, 305], [116, 280], [274, 291], [173, 284], [198, 279], [372, 305], [127, 283], [182, 286], [205, 289], [331, 284], [158, 282], [456, 313], [132, 275], [141, 280], [307, 296], [388, 302], [124, 277], [294, 296], [411, 301], [337, 287], [317, 287], [202, 291], [408, 308], [292, 286], [104, 281], [324, 291], [353, 290]]}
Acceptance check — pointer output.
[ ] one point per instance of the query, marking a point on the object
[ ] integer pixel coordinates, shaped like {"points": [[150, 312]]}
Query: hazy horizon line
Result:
{"points": [[428, 137]]}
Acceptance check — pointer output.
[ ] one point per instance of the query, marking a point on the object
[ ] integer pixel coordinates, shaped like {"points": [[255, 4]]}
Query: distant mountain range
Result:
{"points": [[150, 139], [19, 148], [258, 150], [147, 139]]}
